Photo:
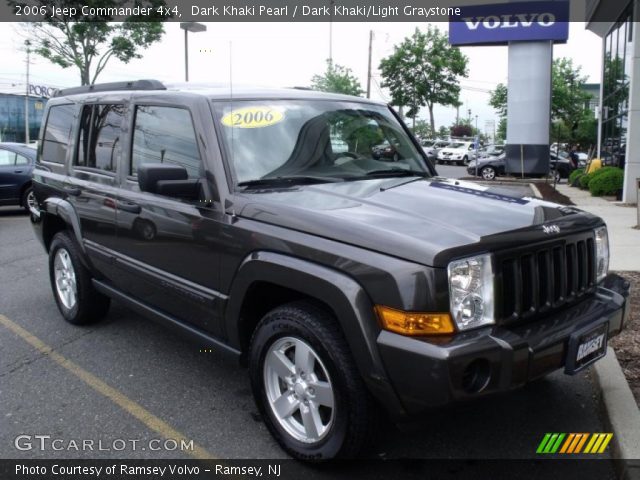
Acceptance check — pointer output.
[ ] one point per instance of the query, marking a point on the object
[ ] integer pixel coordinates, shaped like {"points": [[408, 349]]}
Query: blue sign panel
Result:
{"points": [[506, 22]]}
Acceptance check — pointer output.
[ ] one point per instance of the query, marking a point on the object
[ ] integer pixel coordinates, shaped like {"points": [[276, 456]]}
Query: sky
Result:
{"points": [[289, 54]]}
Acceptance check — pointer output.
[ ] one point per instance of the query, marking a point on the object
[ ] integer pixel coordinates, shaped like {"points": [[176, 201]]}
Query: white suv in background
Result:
{"points": [[458, 152]]}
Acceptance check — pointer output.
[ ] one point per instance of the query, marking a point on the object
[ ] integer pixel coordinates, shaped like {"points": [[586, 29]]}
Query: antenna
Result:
{"points": [[233, 128]]}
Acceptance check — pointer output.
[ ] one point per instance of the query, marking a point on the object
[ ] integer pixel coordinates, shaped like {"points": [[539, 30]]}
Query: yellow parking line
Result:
{"points": [[128, 405]]}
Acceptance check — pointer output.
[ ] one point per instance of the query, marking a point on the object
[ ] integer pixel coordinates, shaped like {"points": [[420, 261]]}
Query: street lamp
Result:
{"points": [[189, 27]]}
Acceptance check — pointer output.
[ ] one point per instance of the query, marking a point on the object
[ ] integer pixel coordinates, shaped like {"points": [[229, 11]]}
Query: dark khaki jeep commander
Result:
{"points": [[264, 224]]}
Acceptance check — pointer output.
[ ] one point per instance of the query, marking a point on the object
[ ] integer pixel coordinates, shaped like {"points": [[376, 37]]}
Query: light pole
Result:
{"points": [[27, 140], [189, 27]]}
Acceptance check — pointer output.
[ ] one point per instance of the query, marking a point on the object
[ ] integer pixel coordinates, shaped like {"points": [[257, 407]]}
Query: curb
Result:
{"points": [[536, 192], [621, 416]]}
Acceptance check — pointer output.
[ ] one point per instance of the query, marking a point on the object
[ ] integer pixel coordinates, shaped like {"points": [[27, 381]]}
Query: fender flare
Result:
{"points": [[64, 210], [346, 297]]}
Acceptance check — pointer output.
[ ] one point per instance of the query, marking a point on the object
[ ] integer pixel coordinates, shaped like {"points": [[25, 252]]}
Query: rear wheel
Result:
{"points": [[28, 200], [306, 385], [78, 301], [488, 173]]}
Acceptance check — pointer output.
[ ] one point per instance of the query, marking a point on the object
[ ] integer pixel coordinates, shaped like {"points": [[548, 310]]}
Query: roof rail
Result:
{"points": [[112, 87]]}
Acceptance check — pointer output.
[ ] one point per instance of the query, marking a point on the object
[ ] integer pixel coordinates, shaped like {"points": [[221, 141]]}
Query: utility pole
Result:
{"points": [[369, 66], [27, 140], [331, 2]]}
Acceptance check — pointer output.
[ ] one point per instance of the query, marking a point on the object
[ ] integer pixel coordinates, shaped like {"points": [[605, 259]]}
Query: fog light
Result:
{"points": [[414, 323], [476, 376]]}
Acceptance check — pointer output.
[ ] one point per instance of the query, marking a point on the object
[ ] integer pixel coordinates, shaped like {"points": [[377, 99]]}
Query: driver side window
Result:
{"points": [[165, 135]]}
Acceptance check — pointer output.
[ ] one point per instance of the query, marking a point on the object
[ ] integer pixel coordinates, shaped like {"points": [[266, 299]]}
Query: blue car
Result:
{"points": [[16, 163]]}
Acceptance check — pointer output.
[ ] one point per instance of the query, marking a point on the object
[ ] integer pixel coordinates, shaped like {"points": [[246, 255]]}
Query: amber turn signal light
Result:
{"points": [[414, 323]]}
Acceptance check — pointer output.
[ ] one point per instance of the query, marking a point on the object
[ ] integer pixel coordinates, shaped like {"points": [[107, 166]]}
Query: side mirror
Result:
{"points": [[169, 180]]}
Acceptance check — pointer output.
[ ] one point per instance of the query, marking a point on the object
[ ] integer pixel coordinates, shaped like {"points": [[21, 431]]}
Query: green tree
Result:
{"points": [[498, 100], [89, 42], [422, 129], [424, 70], [501, 131], [443, 132], [337, 79]]}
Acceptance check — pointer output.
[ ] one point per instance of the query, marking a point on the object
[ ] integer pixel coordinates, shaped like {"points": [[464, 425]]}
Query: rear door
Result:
{"points": [[8, 176], [168, 248], [92, 182]]}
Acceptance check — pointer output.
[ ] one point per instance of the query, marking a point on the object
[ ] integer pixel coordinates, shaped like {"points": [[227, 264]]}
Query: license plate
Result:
{"points": [[585, 347]]}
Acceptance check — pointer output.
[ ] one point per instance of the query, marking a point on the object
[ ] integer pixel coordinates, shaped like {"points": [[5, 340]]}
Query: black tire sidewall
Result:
{"points": [[90, 305], [274, 328], [25, 198], [61, 241]]}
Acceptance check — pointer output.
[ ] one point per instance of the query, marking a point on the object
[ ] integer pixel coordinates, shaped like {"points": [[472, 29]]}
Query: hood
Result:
{"points": [[427, 221]]}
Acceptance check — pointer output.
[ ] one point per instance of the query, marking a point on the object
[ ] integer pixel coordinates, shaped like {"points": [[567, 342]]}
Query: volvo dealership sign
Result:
{"points": [[507, 22]]}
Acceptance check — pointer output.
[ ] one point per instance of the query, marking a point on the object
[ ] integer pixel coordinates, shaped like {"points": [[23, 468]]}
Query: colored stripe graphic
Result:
{"points": [[573, 443]]}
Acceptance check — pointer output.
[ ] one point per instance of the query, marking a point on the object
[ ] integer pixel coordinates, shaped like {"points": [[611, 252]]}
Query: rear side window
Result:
{"points": [[99, 137], [7, 158], [56, 134], [21, 160], [165, 135]]}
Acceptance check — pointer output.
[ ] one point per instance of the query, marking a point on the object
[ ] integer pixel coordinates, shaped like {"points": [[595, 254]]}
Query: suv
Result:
{"points": [[458, 153], [260, 224]]}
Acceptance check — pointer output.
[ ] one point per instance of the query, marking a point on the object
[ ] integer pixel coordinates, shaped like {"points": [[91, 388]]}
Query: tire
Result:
{"points": [[145, 229], [488, 173], [28, 199], [465, 161], [347, 418], [84, 304]]}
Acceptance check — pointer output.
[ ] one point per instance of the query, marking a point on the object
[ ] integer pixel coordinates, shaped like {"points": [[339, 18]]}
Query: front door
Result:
{"points": [[167, 247]]}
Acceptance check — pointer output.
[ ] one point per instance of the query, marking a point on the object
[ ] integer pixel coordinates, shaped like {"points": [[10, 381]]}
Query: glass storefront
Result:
{"points": [[617, 71], [12, 117]]}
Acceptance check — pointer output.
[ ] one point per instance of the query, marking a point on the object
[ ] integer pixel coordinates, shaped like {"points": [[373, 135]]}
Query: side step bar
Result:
{"points": [[196, 335]]}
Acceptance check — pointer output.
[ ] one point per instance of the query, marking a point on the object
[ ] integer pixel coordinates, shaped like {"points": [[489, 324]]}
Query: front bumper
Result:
{"points": [[428, 373]]}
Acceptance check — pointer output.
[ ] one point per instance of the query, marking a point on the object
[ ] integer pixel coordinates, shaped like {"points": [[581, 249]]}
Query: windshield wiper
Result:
{"points": [[287, 181]]}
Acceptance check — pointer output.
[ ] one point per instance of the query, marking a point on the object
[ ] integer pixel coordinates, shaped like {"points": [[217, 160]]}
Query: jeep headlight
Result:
{"points": [[471, 291], [602, 253]]}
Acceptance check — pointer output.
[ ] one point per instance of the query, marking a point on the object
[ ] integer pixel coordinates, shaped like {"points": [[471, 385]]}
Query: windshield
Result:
{"points": [[457, 145], [327, 140]]}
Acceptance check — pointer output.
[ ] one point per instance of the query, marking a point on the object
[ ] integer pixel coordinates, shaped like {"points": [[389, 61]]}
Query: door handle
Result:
{"points": [[129, 207], [18, 171], [73, 191]]}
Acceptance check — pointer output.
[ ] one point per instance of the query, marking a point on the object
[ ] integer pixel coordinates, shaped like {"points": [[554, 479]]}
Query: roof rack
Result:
{"points": [[112, 87]]}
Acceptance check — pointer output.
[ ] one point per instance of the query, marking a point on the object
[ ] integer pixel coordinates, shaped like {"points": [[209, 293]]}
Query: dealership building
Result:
{"points": [[13, 100], [619, 119]]}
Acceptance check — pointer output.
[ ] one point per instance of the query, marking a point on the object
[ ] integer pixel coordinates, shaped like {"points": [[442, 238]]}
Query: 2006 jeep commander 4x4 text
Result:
{"points": [[260, 223]]}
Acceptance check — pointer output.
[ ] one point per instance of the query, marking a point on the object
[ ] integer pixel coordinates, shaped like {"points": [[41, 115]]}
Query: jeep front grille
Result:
{"points": [[543, 278]]}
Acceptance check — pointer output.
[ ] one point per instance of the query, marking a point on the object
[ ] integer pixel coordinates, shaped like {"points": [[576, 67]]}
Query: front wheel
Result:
{"points": [[488, 173], [306, 384], [465, 160]]}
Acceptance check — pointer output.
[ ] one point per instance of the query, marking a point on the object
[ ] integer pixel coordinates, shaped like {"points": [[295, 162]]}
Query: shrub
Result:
{"points": [[608, 182], [574, 175], [583, 180], [586, 180]]}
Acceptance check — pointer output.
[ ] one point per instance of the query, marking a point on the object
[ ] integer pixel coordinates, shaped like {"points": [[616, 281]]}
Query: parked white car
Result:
{"points": [[458, 152]]}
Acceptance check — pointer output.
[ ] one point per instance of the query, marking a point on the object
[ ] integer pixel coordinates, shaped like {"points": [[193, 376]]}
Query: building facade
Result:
{"points": [[616, 21], [13, 103]]}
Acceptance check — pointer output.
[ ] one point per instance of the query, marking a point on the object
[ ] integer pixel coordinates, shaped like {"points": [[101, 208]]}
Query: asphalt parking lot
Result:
{"points": [[128, 378]]}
